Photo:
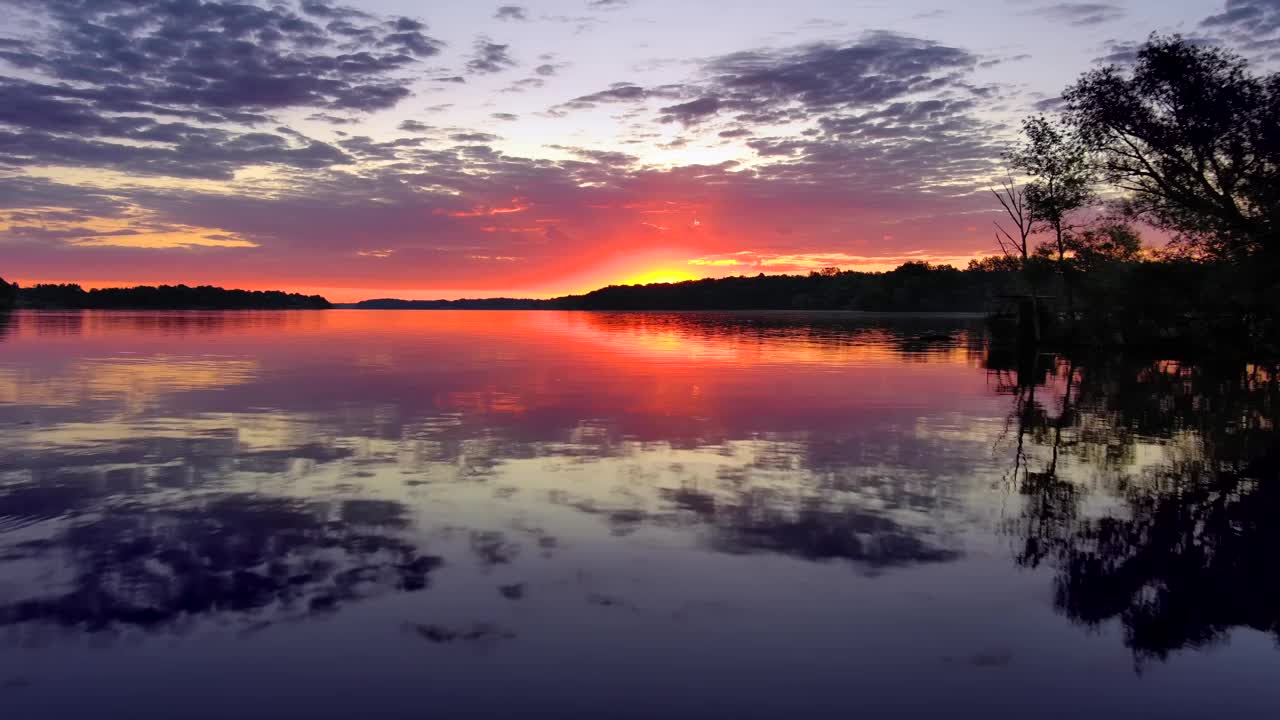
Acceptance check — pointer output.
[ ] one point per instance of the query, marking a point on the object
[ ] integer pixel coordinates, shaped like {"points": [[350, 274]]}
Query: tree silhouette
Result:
{"points": [[1190, 135], [1060, 177], [1060, 184]]}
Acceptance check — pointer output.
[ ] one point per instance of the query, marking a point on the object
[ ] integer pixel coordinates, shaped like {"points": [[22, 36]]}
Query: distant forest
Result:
{"points": [[914, 287], [164, 297], [1112, 287]]}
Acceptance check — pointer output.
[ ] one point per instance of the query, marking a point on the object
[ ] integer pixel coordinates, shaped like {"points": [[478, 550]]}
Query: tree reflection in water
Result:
{"points": [[1145, 485], [1191, 452]]}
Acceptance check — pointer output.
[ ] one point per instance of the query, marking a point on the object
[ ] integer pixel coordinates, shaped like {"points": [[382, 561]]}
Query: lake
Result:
{"points": [[349, 514]]}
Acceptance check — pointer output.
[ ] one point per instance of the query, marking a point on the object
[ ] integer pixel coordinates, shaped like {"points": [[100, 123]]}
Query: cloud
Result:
{"points": [[172, 149], [607, 4], [1084, 14], [888, 132], [1125, 52], [618, 92], [135, 86], [516, 206], [1252, 25], [1005, 60], [692, 112], [878, 67], [521, 85], [219, 57], [474, 137], [511, 12], [1052, 104], [332, 119], [1253, 17], [1119, 52], [327, 10], [489, 57], [607, 157], [130, 229], [32, 192], [770, 86]]}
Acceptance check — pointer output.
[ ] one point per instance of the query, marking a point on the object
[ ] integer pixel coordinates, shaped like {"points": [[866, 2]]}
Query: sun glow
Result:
{"points": [[663, 275]]}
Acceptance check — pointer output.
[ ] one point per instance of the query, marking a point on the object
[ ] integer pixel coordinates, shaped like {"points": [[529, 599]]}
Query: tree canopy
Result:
{"points": [[1191, 136], [1060, 177]]}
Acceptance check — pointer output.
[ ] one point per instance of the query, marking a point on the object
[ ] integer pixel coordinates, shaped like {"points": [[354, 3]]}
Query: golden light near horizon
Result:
{"points": [[660, 275]]}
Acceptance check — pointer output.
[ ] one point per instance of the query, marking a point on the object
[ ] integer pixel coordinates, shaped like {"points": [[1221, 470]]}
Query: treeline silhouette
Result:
{"points": [[914, 286], [1119, 298], [164, 297]]}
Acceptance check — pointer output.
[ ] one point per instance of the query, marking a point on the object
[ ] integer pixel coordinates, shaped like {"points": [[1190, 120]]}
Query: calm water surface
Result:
{"points": [[354, 514]]}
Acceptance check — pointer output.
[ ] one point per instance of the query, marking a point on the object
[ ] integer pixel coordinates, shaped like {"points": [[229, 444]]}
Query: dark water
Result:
{"points": [[443, 514]]}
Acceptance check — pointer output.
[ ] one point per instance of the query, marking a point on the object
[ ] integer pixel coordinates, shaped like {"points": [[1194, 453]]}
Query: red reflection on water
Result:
{"points": [[659, 375]]}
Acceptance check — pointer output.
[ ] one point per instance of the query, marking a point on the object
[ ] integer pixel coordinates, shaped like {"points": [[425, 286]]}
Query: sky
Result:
{"points": [[391, 148]]}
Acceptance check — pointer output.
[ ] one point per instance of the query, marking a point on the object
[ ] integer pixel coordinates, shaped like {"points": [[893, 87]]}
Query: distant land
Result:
{"points": [[145, 297], [912, 287]]}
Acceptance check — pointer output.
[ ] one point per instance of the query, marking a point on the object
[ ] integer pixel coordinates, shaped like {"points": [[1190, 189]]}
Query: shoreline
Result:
{"points": [[965, 315]]}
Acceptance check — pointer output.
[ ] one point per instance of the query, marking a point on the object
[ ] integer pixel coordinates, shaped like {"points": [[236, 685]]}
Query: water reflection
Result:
{"points": [[163, 566], [77, 323], [1187, 456], [144, 471], [726, 475]]}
